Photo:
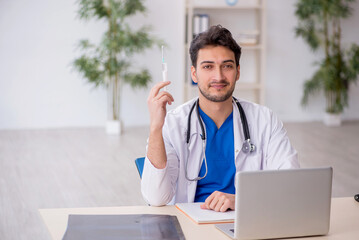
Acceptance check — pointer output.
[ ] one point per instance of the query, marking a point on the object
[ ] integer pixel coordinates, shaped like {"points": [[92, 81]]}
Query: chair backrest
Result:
{"points": [[139, 164]]}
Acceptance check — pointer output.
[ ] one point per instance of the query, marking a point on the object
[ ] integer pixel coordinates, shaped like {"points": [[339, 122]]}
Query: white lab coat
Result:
{"points": [[169, 185]]}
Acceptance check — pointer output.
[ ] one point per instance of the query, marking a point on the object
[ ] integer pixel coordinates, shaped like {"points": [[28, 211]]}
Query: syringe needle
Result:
{"points": [[164, 68]]}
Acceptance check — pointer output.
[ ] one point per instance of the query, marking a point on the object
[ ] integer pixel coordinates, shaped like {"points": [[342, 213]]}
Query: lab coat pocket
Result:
{"points": [[249, 162]]}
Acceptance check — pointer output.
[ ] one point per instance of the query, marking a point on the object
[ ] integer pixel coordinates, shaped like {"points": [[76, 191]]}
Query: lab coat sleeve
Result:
{"points": [[158, 186], [280, 153]]}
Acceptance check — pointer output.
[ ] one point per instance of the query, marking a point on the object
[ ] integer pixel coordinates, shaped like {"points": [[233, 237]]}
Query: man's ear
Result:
{"points": [[194, 74], [238, 72]]}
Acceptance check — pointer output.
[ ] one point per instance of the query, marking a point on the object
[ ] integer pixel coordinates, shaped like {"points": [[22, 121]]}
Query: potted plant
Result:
{"points": [[320, 26], [108, 63]]}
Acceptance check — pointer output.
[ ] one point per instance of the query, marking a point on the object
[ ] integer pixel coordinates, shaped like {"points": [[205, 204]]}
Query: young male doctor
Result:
{"points": [[195, 150]]}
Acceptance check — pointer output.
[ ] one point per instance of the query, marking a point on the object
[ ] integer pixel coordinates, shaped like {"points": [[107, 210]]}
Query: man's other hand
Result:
{"points": [[219, 202]]}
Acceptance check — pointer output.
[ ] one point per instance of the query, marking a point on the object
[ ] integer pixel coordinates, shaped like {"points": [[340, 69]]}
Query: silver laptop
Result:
{"points": [[281, 203]]}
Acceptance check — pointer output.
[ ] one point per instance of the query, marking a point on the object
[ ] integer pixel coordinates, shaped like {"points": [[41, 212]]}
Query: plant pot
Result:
{"points": [[113, 127], [332, 119]]}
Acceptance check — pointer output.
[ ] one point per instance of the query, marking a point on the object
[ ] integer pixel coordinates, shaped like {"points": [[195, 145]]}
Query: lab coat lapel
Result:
{"points": [[252, 161], [195, 154], [237, 131]]}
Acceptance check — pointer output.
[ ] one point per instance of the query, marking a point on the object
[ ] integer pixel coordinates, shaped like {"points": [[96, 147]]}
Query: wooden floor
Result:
{"points": [[87, 168]]}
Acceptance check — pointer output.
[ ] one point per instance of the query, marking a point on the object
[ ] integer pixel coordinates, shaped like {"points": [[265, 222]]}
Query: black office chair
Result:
{"points": [[139, 164]]}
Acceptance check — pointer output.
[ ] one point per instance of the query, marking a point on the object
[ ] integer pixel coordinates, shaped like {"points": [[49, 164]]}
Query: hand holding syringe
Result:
{"points": [[164, 68], [157, 105], [157, 101]]}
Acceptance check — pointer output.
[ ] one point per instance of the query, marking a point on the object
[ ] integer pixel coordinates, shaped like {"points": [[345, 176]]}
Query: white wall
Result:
{"points": [[290, 63], [39, 90]]}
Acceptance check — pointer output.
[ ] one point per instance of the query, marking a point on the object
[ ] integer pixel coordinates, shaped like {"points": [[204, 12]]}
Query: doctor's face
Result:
{"points": [[216, 73]]}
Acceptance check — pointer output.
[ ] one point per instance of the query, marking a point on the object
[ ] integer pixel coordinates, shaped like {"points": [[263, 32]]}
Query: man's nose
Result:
{"points": [[219, 74]]}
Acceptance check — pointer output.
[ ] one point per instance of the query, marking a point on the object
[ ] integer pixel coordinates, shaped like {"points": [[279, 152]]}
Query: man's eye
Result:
{"points": [[228, 66], [207, 66]]}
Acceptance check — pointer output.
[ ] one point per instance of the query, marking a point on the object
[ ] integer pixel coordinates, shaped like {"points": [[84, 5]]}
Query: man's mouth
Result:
{"points": [[218, 85]]}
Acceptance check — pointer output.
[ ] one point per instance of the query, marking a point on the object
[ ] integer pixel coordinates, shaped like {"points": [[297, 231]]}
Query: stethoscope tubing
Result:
{"points": [[248, 147]]}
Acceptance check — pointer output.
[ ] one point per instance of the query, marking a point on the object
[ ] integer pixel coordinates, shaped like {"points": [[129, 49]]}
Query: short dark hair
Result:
{"points": [[214, 36]]}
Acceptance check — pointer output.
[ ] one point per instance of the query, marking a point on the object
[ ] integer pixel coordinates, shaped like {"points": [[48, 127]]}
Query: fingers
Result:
{"points": [[203, 206], [160, 101], [157, 102], [225, 206], [154, 91], [219, 202], [159, 98], [214, 201], [208, 201], [155, 95], [164, 96]]}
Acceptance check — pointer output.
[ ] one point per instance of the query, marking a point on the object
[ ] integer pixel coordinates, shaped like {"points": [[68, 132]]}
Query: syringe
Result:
{"points": [[164, 68]]}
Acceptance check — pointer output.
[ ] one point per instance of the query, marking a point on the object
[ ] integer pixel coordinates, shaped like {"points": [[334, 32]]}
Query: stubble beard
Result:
{"points": [[214, 98]]}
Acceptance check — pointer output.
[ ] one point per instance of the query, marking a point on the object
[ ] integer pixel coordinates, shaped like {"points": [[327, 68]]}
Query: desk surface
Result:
{"points": [[344, 220]]}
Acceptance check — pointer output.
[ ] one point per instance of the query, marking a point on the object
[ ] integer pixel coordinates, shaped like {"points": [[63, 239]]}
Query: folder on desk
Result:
{"points": [[137, 226]]}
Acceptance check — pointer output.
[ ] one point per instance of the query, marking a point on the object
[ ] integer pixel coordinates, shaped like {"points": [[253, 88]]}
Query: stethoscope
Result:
{"points": [[247, 146]]}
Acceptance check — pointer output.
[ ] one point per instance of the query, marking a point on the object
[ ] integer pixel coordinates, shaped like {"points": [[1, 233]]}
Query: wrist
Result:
{"points": [[154, 129]]}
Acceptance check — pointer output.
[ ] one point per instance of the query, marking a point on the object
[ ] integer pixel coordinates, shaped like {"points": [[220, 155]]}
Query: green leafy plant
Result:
{"points": [[320, 26], [109, 63]]}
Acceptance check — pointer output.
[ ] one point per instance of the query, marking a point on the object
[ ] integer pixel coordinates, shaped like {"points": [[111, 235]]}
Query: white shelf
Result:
{"points": [[221, 4], [203, 7], [243, 47], [248, 86], [250, 47]]}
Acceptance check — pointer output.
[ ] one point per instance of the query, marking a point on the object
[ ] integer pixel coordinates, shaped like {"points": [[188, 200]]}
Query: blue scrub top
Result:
{"points": [[220, 159]]}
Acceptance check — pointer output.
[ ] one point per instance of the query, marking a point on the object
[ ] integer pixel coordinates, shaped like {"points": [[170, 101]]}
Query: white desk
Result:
{"points": [[344, 222]]}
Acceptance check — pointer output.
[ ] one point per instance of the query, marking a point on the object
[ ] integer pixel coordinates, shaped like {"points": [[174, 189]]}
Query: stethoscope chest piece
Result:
{"points": [[248, 147]]}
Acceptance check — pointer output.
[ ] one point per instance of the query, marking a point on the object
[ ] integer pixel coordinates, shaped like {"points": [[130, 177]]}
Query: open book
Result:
{"points": [[201, 216]]}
